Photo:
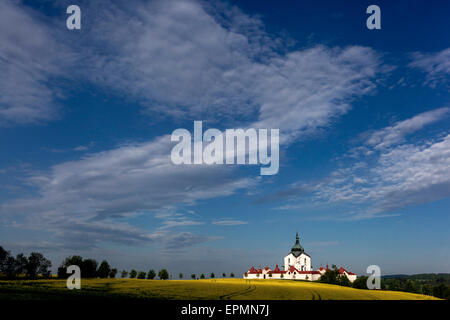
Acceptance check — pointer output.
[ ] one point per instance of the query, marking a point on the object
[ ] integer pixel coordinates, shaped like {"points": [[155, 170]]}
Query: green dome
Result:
{"points": [[297, 249]]}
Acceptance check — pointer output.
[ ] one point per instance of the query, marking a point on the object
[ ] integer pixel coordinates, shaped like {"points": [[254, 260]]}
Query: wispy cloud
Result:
{"points": [[95, 196], [394, 134], [395, 176], [435, 65], [229, 222], [188, 60], [30, 57]]}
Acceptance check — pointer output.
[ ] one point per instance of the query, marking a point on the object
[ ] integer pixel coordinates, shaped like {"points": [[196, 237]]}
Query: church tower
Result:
{"points": [[297, 258]]}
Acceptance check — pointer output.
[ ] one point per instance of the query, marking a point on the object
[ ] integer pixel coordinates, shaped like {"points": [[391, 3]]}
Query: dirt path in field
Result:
{"points": [[314, 293], [238, 293]]}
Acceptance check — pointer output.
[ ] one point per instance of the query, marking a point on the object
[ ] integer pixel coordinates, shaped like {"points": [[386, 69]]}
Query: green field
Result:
{"points": [[212, 289]]}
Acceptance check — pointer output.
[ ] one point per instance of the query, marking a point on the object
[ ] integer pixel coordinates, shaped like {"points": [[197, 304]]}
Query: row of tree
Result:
{"points": [[163, 274], [32, 266], [435, 288], [89, 268]]}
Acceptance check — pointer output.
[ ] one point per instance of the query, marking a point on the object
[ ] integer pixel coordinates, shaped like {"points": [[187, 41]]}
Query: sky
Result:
{"points": [[364, 118]]}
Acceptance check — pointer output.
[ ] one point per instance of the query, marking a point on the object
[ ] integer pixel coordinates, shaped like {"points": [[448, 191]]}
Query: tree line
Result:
{"points": [[35, 264], [428, 284]]}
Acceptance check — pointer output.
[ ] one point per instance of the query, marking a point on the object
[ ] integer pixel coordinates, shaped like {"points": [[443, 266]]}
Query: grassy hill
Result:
{"points": [[212, 289]]}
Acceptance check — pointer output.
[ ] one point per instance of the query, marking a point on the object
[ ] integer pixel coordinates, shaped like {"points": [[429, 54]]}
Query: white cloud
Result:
{"points": [[435, 65], [229, 222], [185, 61], [30, 56], [382, 175], [402, 176], [393, 134], [96, 196]]}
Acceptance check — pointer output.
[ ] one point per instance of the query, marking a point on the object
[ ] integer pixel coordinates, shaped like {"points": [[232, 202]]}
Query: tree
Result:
{"points": [[151, 274], [193, 276], [427, 290], [163, 274], [224, 275], [330, 276], [37, 264], [180, 276], [104, 269], [202, 276], [124, 274], [69, 261], [10, 267], [410, 286], [141, 275], [73, 260], [112, 273], [232, 275], [212, 275], [3, 257], [344, 281], [360, 283], [20, 264], [441, 291], [89, 268], [133, 274]]}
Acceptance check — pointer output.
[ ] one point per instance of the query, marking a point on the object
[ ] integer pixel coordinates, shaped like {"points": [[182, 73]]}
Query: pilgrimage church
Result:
{"points": [[297, 265]]}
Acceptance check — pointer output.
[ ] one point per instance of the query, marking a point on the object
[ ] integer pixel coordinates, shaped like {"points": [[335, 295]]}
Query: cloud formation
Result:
{"points": [[396, 133], [186, 61], [30, 58], [435, 65], [392, 174], [95, 197]]}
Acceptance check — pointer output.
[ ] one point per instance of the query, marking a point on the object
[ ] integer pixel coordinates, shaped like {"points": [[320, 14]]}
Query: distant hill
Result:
{"points": [[390, 276], [422, 277]]}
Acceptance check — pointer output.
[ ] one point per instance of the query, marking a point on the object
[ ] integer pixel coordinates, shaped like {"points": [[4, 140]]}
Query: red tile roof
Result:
{"points": [[253, 270]]}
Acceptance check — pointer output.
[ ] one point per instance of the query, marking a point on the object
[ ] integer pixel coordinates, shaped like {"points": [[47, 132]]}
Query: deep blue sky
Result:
{"points": [[84, 117]]}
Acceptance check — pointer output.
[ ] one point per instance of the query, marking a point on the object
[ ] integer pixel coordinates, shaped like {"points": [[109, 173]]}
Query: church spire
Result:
{"points": [[297, 249]]}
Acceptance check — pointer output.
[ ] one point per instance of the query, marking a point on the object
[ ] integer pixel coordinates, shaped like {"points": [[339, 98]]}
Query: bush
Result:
{"points": [[193, 276], [212, 275], [141, 275], [202, 276], [124, 274], [232, 275], [180, 276], [133, 274]]}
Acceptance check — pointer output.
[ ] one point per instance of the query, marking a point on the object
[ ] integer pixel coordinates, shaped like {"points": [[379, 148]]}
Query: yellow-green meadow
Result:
{"points": [[211, 289]]}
